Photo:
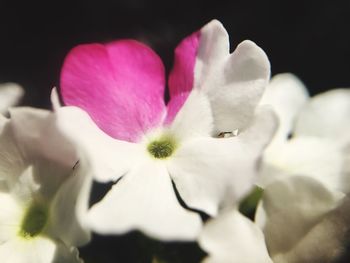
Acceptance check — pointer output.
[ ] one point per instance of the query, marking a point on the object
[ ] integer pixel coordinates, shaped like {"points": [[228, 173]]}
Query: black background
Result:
{"points": [[309, 38]]}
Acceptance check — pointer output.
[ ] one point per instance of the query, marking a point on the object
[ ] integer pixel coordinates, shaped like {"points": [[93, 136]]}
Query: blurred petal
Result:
{"points": [[316, 158], [144, 199], [55, 99], [231, 237], [287, 95], [40, 249], [10, 217], [120, 85], [292, 215], [10, 95], [210, 171], [12, 163], [326, 115]]}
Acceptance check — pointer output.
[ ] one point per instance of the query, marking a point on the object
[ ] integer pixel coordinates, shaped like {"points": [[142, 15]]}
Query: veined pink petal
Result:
{"points": [[120, 85], [182, 75]]}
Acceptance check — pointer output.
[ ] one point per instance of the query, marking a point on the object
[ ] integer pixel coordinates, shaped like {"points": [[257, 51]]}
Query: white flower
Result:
{"points": [[10, 94], [42, 199], [306, 178], [130, 136], [320, 129]]}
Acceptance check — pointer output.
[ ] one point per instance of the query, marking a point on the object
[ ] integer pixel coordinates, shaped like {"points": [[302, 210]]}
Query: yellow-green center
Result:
{"points": [[162, 148], [34, 221]]}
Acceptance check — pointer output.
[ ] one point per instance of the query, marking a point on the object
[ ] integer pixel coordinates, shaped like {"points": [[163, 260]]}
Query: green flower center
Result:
{"points": [[162, 148], [34, 221]]}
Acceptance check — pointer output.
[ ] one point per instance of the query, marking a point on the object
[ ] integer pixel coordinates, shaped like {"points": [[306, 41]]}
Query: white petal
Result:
{"points": [[209, 171], [287, 95], [289, 210], [68, 210], [214, 46], [108, 158], [24, 186], [231, 238], [35, 134], [11, 160], [234, 82], [194, 118], [55, 99], [10, 217], [317, 158], [144, 199], [37, 250], [10, 95], [326, 115]]}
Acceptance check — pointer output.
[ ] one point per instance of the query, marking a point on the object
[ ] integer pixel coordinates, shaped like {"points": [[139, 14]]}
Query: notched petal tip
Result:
{"points": [[256, 57]]}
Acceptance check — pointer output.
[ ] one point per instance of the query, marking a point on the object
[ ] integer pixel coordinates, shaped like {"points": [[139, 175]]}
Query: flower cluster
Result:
{"points": [[187, 169]]}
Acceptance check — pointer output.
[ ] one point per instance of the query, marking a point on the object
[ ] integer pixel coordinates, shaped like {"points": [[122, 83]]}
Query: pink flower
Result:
{"points": [[132, 135]]}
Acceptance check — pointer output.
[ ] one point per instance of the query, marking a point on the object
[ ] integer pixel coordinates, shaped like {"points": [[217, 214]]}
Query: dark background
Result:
{"points": [[309, 38]]}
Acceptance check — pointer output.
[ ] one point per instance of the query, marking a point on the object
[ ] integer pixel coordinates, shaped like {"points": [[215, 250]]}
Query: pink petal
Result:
{"points": [[182, 75], [120, 85]]}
